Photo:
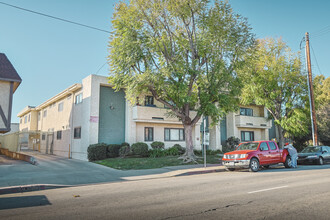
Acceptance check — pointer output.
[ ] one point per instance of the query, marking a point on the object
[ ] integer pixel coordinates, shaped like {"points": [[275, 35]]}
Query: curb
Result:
{"points": [[29, 188]]}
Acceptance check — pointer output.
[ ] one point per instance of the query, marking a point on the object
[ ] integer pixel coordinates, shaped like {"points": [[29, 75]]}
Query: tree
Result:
{"points": [[322, 101], [185, 53], [275, 80]]}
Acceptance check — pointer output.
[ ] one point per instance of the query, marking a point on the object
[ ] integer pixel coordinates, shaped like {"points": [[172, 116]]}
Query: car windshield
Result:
{"points": [[248, 146], [311, 150]]}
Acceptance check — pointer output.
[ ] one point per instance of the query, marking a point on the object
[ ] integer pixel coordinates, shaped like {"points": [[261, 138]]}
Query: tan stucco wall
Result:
{"points": [[4, 100], [9, 141]]}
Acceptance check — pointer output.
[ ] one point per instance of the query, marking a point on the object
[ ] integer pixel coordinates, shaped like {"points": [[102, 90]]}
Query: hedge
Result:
{"points": [[140, 149], [157, 145], [113, 150], [97, 152]]}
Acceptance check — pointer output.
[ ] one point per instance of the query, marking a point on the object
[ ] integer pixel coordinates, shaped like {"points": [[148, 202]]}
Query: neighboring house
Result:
{"points": [[92, 112], [9, 81]]}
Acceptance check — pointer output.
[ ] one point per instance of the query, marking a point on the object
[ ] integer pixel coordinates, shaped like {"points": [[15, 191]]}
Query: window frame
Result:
{"points": [[58, 135], [183, 138], [60, 107], [251, 135], [272, 144], [152, 134], [43, 136], [75, 136], [78, 98], [147, 99], [245, 111]]}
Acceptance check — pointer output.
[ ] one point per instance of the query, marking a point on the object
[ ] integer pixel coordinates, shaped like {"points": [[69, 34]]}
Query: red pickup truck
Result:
{"points": [[254, 154]]}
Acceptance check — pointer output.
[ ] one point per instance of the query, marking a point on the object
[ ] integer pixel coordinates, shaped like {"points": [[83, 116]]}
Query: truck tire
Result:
{"points": [[320, 161], [254, 165], [231, 169], [287, 162]]}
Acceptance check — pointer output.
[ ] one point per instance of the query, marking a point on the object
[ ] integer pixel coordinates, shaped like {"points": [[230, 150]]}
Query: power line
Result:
{"points": [[57, 18], [317, 64]]}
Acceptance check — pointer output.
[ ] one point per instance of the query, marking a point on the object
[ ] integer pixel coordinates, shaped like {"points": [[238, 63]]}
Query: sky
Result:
{"points": [[51, 55]]}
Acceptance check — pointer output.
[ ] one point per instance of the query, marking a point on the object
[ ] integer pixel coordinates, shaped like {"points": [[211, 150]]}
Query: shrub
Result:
{"points": [[124, 150], [232, 142], [140, 149], [97, 152], [124, 144], [181, 149], [213, 152], [157, 153], [113, 150], [157, 145], [173, 151], [198, 152]]}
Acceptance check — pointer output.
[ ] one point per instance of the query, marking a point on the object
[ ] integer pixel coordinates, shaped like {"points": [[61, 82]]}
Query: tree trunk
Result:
{"points": [[189, 155], [280, 136]]}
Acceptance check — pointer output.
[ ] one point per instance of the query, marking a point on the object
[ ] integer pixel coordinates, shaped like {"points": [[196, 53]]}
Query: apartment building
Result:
{"points": [[92, 112]]}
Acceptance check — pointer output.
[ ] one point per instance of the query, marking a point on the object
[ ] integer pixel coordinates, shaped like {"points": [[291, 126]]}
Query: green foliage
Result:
{"points": [[232, 142], [97, 151], [181, 149], [113, 150], [185, 53], [124, 151], [274, 79], [124, 144], [157, 145], [157, 152], [140, 149], [172, 151]]}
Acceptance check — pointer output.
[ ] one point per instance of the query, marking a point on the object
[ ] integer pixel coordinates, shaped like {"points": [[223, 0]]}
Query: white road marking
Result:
{"points": [[263, 190]]}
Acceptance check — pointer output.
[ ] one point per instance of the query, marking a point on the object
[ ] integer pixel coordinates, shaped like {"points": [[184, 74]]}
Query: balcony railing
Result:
{"points": [[252, 122]]}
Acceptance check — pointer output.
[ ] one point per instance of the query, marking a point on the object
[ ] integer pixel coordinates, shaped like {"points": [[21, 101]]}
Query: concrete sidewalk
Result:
{"points": [[54, 172]]}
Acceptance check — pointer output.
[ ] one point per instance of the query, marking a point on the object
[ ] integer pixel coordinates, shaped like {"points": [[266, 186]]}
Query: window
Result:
{"points": [[20, 121], [59, 135], [77, 133], [78, 99], [60, 106], [272, 145], [45, 113], [38, 116], [263, 146], [149, 101], [25, 119], [29, 118], [174, 134], [246, 111], [43, 137], [148, 134], [247, 135]]}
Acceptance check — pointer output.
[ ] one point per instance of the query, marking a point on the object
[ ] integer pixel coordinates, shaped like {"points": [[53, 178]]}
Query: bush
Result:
{"points": [[157, 145], [140, 149], [124, 151], [97, 152], [173, 151], [113, 150], [198, 152], [232, 142], [157, 153], [181, 149], [124, 144], [213, 152]]}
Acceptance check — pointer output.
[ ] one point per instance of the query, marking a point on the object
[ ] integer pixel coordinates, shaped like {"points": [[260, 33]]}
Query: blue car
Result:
{"points": [[314, 155]]}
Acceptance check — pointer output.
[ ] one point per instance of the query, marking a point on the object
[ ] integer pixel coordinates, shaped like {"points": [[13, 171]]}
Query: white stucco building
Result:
{"points": [[92, 112]]}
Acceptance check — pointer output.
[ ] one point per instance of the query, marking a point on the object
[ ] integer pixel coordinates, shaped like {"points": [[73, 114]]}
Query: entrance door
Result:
{"points": [[50, 143]]}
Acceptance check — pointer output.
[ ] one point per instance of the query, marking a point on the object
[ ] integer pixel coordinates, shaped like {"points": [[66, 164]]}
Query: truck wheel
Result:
{"points": [[254, 165], [320, 161], [231, 169], [287, 163]]}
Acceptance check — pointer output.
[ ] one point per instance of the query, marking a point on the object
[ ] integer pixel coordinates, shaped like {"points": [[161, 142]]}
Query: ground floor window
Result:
{"points": [[59, 135], [148, 134], [247, 135], [43, 137], [77, 133], [174, 134]]}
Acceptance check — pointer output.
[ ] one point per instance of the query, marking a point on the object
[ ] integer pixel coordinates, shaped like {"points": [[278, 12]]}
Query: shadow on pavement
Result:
{"points": [[23, 202]]}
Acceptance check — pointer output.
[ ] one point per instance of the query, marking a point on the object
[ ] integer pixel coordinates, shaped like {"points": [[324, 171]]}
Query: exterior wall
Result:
{"points": [[4, 101], [9, 141]]}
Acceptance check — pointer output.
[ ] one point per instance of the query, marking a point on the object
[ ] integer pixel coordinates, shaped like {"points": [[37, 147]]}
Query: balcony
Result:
{"points": [[252, 122], [155, 115]]}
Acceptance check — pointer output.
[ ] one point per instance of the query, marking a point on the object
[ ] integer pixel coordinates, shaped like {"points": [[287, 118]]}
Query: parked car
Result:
{"points": [[255, 154], [315, 155]]}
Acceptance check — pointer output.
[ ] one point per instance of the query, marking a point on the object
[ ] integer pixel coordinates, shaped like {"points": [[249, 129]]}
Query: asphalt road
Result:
{"points": [[276, 193]]}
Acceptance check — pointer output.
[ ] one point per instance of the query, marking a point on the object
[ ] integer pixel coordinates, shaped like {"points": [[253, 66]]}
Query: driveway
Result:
{"points": [[56, 170]]}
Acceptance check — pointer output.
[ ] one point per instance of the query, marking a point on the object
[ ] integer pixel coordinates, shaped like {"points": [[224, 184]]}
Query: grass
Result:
{"points": [[130, 163]]}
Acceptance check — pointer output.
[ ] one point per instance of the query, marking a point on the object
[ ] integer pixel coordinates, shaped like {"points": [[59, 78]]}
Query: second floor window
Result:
{"points": [[45, 113], [246, 111], [78, 98], [25, 119], [77, 133], [149, 101]]}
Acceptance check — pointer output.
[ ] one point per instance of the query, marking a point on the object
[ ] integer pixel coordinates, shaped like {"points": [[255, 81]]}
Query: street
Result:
{"points": [[277, 193]]}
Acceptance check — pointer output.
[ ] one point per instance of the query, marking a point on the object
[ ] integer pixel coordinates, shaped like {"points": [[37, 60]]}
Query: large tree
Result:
{"points": [[185, 53], [275, 80]]}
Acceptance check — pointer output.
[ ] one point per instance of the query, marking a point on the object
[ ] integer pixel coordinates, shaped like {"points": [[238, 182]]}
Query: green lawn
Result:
{"points": [[151, 163]]}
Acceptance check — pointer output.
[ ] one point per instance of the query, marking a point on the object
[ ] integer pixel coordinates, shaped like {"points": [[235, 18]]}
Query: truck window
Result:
{"points": [[272, 145], [263, 146]]}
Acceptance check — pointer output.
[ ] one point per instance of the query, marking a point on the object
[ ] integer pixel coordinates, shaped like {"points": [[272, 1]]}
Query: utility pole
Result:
{"points": [[311, 93]]}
